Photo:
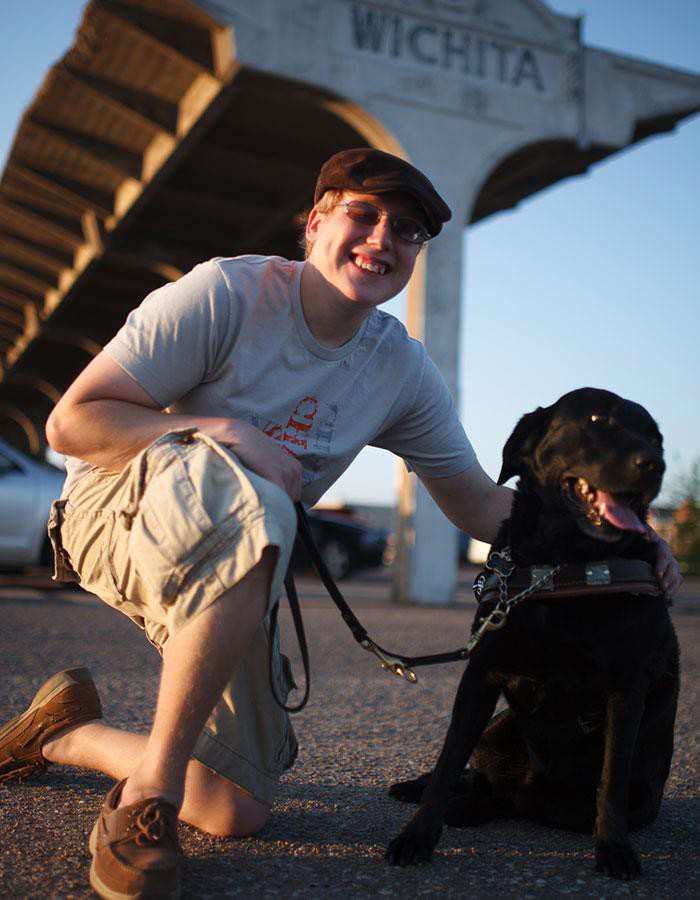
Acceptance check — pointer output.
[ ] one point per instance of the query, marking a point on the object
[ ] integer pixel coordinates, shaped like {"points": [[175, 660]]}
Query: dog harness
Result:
{"points": [[501, 579], [610, 576]]}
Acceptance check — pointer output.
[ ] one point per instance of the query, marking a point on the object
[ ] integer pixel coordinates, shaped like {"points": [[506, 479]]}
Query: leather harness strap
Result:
{"points": [[610, 576]]}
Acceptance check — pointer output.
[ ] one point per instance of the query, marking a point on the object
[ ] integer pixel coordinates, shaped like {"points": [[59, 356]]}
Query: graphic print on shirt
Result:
{"points": [[307, 435]]}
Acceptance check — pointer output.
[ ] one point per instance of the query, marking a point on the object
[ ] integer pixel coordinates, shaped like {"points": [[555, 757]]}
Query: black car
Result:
{"points": [[345, 541]]}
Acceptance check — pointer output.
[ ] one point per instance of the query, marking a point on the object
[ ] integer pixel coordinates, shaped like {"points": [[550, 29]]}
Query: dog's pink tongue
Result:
{"points": [[618, 514]]}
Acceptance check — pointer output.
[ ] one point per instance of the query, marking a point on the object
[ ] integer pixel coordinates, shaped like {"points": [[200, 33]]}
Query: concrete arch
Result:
{"points": [[40, 385], [375, 133], [516, 170], [26, 425], [86, 344]]}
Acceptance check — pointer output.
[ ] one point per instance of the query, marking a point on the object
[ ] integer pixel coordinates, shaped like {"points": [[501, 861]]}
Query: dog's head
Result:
{"points": [[592, 454]]}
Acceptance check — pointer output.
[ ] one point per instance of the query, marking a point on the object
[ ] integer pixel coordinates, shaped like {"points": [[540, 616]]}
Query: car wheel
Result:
{"points": [[337, 558]]}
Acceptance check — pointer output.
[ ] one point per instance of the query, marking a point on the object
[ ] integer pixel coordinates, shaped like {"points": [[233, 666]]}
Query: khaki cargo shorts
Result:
{"points": [[160, 541]]}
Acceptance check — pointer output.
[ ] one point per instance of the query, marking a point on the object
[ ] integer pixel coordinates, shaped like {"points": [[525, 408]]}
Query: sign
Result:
{"points": [[393, 37]]}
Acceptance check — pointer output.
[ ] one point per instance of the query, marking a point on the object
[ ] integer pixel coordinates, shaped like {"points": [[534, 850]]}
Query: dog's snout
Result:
{"points": [[648, 463]]}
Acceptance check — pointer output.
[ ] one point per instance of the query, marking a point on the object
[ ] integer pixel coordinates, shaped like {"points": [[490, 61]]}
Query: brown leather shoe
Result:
{"points": [[135, 851], [67, 698]]}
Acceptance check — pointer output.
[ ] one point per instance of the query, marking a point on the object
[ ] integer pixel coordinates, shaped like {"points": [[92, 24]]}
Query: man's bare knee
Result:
{"points": [[242, 816], [219, 806]]}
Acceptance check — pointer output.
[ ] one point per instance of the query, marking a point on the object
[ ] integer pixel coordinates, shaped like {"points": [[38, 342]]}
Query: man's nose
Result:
{"points": [[381, 234]]}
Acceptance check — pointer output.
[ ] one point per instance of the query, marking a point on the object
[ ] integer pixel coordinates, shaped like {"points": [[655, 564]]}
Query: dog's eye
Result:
{"points": [[600, 418]]}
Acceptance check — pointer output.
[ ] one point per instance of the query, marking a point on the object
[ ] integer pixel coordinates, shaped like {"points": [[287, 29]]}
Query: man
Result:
{"points": [[274, 375]]}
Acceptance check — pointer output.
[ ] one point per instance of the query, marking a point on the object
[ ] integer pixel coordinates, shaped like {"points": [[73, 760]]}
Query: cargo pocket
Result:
{"points": [[172, 536], [62, 569]]}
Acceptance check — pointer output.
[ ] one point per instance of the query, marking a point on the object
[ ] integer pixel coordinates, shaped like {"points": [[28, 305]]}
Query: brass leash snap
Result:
{"points": [[390, 663], [493, 622]]}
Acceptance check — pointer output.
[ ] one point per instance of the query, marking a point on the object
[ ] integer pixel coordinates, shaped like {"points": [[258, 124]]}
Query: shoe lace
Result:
{"points": [[153, 824]]}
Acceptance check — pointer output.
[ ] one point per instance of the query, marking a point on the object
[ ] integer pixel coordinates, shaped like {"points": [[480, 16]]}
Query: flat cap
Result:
{"points": [[370, 171]]}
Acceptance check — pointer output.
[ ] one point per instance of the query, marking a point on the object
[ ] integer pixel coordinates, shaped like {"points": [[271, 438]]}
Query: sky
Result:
{"points": [[594, 281]]}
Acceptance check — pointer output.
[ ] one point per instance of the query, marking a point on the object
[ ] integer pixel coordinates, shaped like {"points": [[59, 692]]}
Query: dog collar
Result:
{"points": [[611, 576]]}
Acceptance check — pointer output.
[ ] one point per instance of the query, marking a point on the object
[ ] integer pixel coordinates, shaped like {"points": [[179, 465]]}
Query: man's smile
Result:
{"points": [[368, 264]]}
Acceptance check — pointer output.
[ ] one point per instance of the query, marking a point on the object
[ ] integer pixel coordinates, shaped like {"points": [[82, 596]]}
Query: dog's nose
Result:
{"points": [[648, 464]]}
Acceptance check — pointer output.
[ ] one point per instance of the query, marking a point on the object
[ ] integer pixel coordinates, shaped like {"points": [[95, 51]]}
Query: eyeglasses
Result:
{"points": [[403, 227]]}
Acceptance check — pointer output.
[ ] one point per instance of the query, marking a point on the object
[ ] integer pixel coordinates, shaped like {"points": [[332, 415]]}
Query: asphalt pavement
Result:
{"points": [[363, 729]]}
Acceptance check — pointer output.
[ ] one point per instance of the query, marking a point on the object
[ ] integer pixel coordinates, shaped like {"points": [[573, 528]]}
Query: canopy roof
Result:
{"points": [[147, 149]]}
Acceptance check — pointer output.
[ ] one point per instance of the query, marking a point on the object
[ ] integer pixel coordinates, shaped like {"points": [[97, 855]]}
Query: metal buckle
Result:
{"points": [[390, 663], [540, 573], [598, 573]]}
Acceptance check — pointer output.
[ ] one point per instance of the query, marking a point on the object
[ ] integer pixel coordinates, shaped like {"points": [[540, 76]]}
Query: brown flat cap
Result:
{"points": [[369, 171]]}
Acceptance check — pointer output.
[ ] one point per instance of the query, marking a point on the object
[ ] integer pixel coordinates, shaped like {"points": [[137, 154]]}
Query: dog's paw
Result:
{"points": [[411, 847], [410, 791], [617, 859]]}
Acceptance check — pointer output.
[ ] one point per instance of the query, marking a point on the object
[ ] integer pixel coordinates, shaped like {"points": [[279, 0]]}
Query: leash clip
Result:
{"points": [[390, 663], [494, 622]]}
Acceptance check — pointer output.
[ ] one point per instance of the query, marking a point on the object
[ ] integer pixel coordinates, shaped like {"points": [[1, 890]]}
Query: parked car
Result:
{"points": [[27, 489], [345, 541]]}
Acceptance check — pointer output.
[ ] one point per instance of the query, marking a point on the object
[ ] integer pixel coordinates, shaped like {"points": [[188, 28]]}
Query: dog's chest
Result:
{"points": [[577, 644]]}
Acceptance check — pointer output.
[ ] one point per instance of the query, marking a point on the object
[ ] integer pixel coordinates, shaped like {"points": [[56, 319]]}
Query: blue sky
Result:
{"points": [[592, 282]]}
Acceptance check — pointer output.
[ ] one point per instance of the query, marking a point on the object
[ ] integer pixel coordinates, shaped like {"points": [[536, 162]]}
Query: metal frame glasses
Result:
{"points": [[404, 227]]}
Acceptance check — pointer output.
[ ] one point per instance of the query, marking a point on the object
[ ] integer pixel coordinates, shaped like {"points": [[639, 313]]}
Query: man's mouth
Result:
{"points": [[369, 265], [603, 509]]}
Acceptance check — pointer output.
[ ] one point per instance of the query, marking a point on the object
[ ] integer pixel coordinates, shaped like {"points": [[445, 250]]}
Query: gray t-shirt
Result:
{"points": [[230, 339]]}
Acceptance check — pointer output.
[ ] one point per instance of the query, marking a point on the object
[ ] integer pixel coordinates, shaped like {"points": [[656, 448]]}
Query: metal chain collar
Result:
{"points": [[502, 565]]}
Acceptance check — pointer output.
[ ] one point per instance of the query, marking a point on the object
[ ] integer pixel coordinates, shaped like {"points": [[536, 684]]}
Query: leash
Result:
{"points": [[400, 665]]}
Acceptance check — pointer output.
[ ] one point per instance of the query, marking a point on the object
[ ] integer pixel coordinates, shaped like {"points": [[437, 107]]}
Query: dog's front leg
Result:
{"points": [[473, 707], [614, 854]]}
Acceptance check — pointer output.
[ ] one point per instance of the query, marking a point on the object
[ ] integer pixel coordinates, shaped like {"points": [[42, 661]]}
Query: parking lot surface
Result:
{"points": [[362, 729]]}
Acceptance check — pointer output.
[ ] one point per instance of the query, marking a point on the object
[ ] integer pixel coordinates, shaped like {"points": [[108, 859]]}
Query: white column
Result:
{"points": [[426, 565]]}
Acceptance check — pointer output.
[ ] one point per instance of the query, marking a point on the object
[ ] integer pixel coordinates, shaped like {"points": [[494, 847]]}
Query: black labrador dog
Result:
{"points": [[587, 662]]}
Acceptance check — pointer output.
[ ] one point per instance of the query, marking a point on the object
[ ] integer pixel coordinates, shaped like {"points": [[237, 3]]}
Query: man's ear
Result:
{"points": [[312, 223], [525, 437]]}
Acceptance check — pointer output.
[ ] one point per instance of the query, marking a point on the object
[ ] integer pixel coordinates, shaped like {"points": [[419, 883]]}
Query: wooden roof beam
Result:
{"points": [[46, 208], [139, 107], [24, 190], [11, 317], [122, 161], [204, 86], [26, 221], [62, 257], [34, 259], [198, 38], [8, 333], [75, 194], [22, 278], [15, 300]]}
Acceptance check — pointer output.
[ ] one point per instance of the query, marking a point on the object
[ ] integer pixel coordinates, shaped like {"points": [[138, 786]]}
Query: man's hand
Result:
{"points": [[260, 453], [667, 570]]}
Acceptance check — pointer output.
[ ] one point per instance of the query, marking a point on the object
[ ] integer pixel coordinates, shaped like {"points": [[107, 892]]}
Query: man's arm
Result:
{"points": [[477, 505], [106, 418], [472, 501]]}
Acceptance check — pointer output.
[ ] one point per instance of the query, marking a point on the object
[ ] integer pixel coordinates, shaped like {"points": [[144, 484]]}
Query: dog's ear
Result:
{"points": [[522, 441]]}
